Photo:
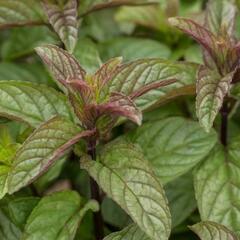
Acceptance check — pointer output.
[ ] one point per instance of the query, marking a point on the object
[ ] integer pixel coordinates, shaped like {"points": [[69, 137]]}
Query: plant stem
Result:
{"points": [[95, 194], [224, 123]]}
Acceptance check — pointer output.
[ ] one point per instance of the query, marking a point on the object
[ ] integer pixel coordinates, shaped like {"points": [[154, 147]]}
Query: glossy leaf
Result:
{"points": [[64, 21], [17, 13], [135, 75], [218, 179], [213, 231], [211, 90], [60, 63], [173, 145], [31, 103], [128, 179], [132, 232], [57, 216], [220, 17], [131, 49], [43, 147]]}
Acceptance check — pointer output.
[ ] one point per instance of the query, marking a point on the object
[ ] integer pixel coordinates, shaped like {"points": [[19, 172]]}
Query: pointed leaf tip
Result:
{"points": [[173, 21]]}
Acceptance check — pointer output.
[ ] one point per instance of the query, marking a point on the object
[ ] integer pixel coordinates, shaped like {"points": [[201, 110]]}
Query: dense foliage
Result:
{"points": [[119, 119]]}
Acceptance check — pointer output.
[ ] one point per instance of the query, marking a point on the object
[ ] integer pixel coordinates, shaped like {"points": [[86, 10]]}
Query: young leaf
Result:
{"points": [[42, 148], [133, 76], [216, 48], [57, 216], [60, 63], [17, 13], [31, 103], [131, 232], [64, 21], [220, 17], [211, 90], [213, 231], [217, 185], [127, 178], [173, 145]]}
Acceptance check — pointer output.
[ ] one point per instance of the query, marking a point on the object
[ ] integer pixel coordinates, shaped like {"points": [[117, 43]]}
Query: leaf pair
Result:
{"points": [[221, 55], [92, 96]]}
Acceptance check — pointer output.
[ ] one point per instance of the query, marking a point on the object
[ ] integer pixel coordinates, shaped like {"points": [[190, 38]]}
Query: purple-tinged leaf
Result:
{"points": [[41, 149], [121, 106], [60, 63], [211, 90], [217, 48], [64, 21], [220, 17], [140, 75]]}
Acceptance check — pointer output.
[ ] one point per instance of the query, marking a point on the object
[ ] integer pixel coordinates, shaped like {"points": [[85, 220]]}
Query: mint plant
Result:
{"points": [[99, 138]]}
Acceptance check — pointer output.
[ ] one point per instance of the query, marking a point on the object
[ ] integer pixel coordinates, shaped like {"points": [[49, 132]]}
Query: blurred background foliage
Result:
{"points": [[129, 31]]}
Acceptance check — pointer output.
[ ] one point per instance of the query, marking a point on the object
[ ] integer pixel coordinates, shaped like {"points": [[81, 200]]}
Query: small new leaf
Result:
{"points": [[64, 21], [211, 90], [213, 231]]}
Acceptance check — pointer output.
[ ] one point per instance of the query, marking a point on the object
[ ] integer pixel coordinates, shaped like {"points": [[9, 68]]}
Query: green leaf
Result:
{"points": [[8, 230], [31, 103], [217, 186], [132, 232], [60, 63], [7, 151], [54, 171], [64, 21], [213, 231], [17, 13], [173, 145], [88, 6], [57, 216], [20, 208], [22, 41], [131, 49], [128, 179], [87, 54], [136, 74], [42, 148], [181, 198], [220, 17], [211, 90], [33, 72]]}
